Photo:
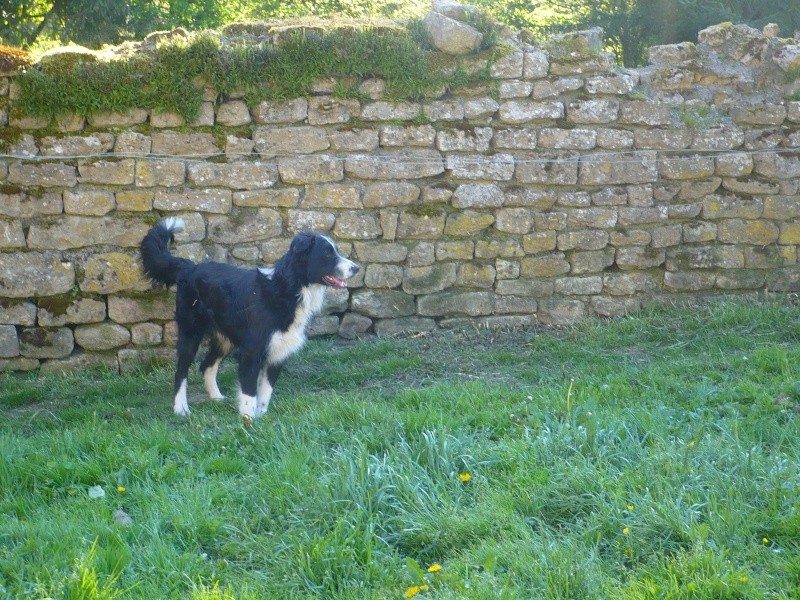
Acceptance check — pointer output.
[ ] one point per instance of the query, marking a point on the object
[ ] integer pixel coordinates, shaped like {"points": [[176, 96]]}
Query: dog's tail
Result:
{"points": [[157, 261]]}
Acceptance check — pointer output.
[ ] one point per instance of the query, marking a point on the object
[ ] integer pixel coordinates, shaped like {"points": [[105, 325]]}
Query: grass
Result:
{"points": [[173, 79], [655, 456]]}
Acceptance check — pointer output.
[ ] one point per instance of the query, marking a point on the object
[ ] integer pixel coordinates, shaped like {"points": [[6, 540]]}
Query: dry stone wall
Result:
{"points": [[563, 188]]}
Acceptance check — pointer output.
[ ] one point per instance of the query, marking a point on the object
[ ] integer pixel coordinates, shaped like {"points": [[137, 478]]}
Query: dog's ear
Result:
{"points": [[301, 243]]}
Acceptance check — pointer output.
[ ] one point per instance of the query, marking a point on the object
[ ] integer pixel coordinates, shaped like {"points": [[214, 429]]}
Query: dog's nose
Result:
{"points": [[354, 268]]}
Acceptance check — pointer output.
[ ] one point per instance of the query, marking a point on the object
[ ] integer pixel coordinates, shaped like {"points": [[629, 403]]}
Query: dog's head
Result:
{"points": [[317, 259]]}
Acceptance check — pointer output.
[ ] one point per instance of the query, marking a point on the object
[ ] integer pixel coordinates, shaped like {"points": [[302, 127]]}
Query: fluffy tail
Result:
{"points": [[157, 261]]}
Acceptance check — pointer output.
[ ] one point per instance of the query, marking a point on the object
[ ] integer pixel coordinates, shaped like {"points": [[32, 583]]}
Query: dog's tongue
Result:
{"points": [[334, 281]]}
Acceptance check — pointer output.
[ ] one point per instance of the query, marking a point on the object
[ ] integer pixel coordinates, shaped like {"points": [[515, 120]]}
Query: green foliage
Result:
{"points": [[650, 457], [172, 80]]}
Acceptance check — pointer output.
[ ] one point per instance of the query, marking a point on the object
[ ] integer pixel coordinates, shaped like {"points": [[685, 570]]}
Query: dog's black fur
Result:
{"points": [[261, 313]]}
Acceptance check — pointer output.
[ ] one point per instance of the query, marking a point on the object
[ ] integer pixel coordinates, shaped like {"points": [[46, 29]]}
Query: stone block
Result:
{"points": [[560, 311], [579, 286], [42, 175], [464, 140], [535, 64], [392, 136], [475, 275], [615, 139], [732, 207], [671, 54], [444, 110], [153, 307], [548, 265], [11, 234], [238, 175], [132, 143], [549, 169], [353, 225], [382, 304], [163, 119], [281, 111], [480, 109], [419, 225], [110, 272], [594, 217], [640, 216], [233, 113], [383, 194], [616, 84], [9, 342], [102, 336], [245, 225], [686, 167], [750, 186], [741, 280], [209, 200], [770, 257], [331, 196], [383, 276], [583, 240], [380, 252], [403, 326], [591, 261], [699, 231], [630, 237], [354, 326], [623, 168], [147, 334], [195, 145], [705, 257], [526, 111], [497, 167], [487, 249], [323, 325], [669, 235], [758, 114], [734, 164], [638, 257], [429, 279], [310, 220], [514, 220], [689, 281], [105, 120], [739, 231], [40, 342], [71, 146], [271, 141], [628, 284], [450, 303], [31, 274], [615, 307], [390, 111], [662, 139], [722, 137], [88, 202], [592, 112], [517, 138], [568, 139], [283, 198], [789, 234], [17, 312], [635, 112], [164, 173], [526, 197], [407, 164]]}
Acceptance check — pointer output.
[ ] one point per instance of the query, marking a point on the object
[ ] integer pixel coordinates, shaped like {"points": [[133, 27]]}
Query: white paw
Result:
{"points": [[182, 411]]}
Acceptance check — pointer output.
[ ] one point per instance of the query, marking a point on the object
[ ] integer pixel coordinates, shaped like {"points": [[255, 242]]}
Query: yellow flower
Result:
{"points": [[434, 568], [464, 477], [414, 590], [744, 579], [626, 530], [630, 507], [765, 540], [121, 489]]}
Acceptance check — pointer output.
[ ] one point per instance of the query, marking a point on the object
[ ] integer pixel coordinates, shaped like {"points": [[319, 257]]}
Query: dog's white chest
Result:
{"points": [[283, 344]]}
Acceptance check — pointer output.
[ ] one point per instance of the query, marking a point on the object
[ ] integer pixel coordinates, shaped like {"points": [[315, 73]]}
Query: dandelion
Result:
{"points": [[121, 489], [414, 590], [464, 477], [626, 530], [434, 568], [744, 579], [630, 507], [765, 540]]}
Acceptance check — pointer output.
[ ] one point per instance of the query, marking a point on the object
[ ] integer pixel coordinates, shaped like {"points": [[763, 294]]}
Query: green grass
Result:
{"points": [[655, 456], [173, 79]]}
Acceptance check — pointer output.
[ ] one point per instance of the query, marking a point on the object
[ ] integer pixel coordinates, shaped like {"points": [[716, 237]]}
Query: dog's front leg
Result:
{"points": [[266, 383], [248, 386]]}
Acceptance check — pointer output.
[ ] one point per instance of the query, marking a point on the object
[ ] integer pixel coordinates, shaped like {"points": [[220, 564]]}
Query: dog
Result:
{"points": [[261, 314]]}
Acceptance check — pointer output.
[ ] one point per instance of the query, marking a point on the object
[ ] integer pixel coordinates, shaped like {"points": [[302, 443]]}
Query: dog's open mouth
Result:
{"points": [[334, 282]]}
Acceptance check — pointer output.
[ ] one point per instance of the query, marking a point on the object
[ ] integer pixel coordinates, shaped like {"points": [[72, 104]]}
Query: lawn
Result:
{"points": [[655, 456]]}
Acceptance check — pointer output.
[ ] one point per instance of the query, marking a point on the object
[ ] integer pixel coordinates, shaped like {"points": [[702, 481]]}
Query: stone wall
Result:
{"points": [[565, 187]]}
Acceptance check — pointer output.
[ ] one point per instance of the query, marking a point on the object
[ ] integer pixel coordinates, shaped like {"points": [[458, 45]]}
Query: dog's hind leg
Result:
{"points": [[188, 343], [248, 386], [266, 383], [218, 348]]}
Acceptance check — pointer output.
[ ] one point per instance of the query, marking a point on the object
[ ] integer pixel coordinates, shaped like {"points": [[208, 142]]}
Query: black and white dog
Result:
{"points": [[262, 314]]}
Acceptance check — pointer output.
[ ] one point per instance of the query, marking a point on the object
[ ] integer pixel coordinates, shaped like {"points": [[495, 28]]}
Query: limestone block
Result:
{"points": [[482, 109], [594, 217], [17, 312], [323, 325], [153, 307], [526, 111], [639, 216], [539, 241], [233, 113], [450, 303], [523, 138], [509, 66], [195, 145], [734, 164], [102, 336], [671, 54], [592, 112], [455, 250], [617, 83], [615, 139], [523, 289], [568, 139], [67, 309], [639, 257], [390, 111], [11, 234], [310, 220], [627, 284], [105, 120], [629, 237], [382, 304], [165, 173], [739, 231], [403, 326], [161, 119], [759, 114], [662, 139], [689, 281], [132, 143], [391, 193], [497, 167], [732, 207], [587, 239], [536, 64], [559, 311], [723, 137], [40, 342], [327, 110], [383, 276], [430, 279], [579, 286], [283, 198], [623, 168], [515, 89], [464, 140], [72, 146], [535, 199], [117, 172], [42, 175], [245, 225], [474, 275], [331, 196], [669, 235], [380, 252], [407, 164], [514, 220], [208, 200], [549, 169], [686, 167], [281, 111], [422, 254], [699, 231], [741, 280], [473, 195], [238, 148], [239, 175], [30, 274], [9, 342], [614, 307], [636, 112], [88, 202], [549, 265], [310, 169], [354, 326], [450, 36], [773, 257], [354, 140], [444, 110], [412, 135], [110, 272], [353, 225]]}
